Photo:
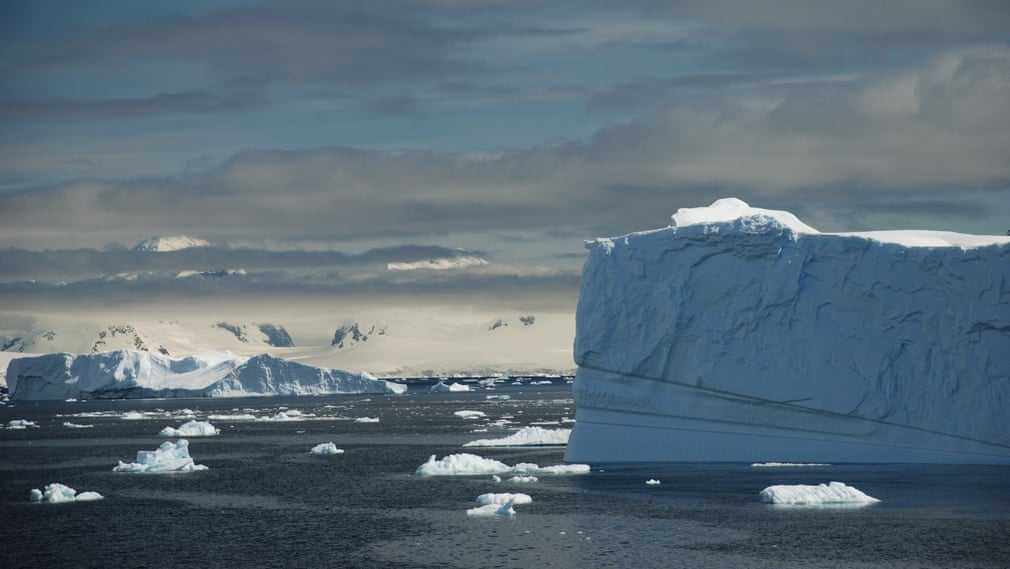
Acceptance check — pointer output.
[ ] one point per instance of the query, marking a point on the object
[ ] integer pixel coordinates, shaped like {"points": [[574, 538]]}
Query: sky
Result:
{"points": [[312, 142]]}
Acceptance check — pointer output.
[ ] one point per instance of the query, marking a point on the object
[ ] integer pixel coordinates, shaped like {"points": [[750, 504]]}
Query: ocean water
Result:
{"points": [[267, 502]]}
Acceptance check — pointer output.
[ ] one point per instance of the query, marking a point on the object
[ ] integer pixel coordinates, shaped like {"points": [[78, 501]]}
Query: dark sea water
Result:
{"points": [[267, 502]]}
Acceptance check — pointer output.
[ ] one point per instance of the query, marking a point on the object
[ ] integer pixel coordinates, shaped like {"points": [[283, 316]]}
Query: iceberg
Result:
{"points": [[442, 387], [326, 448], [527, 436], [833, 493], [191, 429], [57, 493], [169, 457], [139, 374], [740, 334]]}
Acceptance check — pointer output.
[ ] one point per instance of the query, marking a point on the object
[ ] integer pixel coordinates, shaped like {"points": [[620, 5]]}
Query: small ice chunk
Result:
{"points": [[191, 429], [367, 420], [70, 425], [504, 498], [18, 424], [787, 464], [808, 495], [169, 457], [233, 417], [467, 414], [326, 448], [492, 510], [523, 479], [57, 493], [653, 482], [132, 416], [560, 469]]}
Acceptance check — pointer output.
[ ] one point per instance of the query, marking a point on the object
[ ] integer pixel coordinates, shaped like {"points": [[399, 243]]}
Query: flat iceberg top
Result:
{"points": [[725, 211]]}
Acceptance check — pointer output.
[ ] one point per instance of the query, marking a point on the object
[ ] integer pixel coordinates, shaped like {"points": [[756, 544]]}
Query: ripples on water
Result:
{"points": [[267, 502]]}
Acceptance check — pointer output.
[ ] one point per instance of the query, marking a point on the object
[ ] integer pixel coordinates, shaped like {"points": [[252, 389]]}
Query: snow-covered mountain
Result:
{"points": [[743, 334], [170, 243], [137, 374], [385, 342]]}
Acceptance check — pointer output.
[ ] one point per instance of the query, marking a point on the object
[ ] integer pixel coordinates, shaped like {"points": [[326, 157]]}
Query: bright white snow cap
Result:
{"points": [[729, 209]]}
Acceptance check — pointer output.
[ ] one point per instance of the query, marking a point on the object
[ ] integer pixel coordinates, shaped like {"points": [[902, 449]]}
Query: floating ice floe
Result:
{"points": [[653, 482], [467, 414], [833, 493], [498, 504], [132, 416], [787, 464], [527, 436], [464, 464], [367, 420], [57, 493], [18, 424], [191, 429], [232, 417], [523, 479], [442, 387], [169, 457], [326, 448], [70, 425]]}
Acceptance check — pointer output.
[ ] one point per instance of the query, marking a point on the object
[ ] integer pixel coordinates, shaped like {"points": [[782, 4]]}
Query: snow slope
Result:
{"points": [[135, 374], [739, 333]]}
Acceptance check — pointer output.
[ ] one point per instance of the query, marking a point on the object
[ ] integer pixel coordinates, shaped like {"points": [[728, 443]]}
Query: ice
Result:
{"points": [[527, 436], [71, 425], [491, 510], [822, 494], [523, 479], [787, 464], [442, 387], [653, 482], [128, 373], [465, 464], [504, 498], [367, 420], [57, 493], [169, 457], [191, 429], [805, 346], [19, 424], [326, 448], [132, 416], [470, 414]]}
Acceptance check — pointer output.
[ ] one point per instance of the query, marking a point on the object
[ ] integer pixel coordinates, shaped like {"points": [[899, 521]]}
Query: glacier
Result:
{"points": [[743, 334], [139, 374]]}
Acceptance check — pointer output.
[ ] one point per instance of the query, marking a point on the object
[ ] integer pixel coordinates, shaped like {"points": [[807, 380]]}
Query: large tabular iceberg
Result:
{"points": [[742, 334], [135, 374]]}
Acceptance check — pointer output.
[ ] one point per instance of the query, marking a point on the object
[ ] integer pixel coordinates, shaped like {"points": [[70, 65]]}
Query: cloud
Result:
{"points": [[938, 129], [197, 101]]}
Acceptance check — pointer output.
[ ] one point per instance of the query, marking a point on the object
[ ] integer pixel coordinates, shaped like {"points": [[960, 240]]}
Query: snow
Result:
{"points": [[57, 493], [822, 494], [465, 464], [442, 387], [132, 373], [169, 457], [739, 333], [326, 448], [191, 429], [527, 436]]}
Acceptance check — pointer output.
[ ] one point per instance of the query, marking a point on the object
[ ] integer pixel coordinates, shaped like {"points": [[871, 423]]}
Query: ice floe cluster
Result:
{"points": [[19, 424], [465, 464]]}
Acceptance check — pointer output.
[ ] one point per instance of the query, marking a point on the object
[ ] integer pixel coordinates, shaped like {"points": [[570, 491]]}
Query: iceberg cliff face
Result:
{"points": [[136, 374], [743, 334]]}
